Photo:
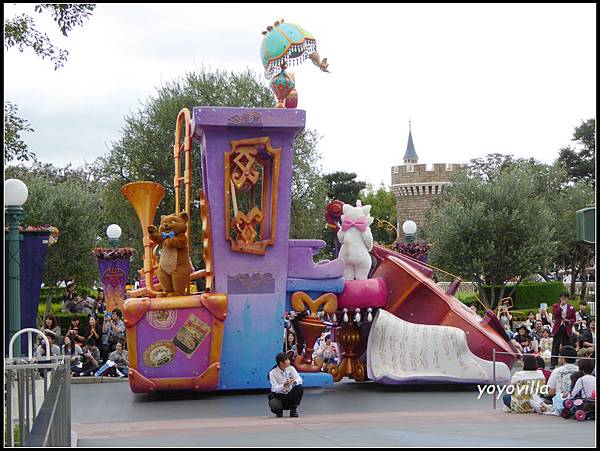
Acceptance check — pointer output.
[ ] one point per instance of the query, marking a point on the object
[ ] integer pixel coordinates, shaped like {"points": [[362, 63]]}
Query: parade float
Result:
{"points": [[392, 322]]}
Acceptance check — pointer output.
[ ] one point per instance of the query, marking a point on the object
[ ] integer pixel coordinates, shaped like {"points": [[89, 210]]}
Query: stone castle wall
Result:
{"points": [[416, 187]]}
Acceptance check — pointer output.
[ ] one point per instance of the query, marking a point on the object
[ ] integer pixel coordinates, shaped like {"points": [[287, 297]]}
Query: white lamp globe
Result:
{"points": [[409, 227], [15, 192], [113, 232]]}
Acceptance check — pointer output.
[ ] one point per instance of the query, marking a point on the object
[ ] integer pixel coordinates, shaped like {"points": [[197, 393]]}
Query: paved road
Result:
{"points": [[347, 414]]}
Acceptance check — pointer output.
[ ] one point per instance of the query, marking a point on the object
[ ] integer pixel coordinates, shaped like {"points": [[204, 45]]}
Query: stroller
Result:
{"points": [[581, 409]]}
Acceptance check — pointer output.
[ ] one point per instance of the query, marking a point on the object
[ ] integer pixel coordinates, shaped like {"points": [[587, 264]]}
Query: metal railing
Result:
{"points": [[37, 400]]}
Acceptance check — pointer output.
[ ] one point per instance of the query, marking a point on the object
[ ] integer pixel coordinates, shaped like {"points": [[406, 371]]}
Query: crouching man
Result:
{"points": [[286, 387]]}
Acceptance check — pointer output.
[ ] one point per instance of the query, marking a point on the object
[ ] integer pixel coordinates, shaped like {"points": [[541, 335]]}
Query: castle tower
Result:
{"points": [[416, 186]]}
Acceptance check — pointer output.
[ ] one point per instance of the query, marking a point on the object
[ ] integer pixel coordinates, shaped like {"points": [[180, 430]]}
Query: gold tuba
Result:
{"points": [[145, 197]]}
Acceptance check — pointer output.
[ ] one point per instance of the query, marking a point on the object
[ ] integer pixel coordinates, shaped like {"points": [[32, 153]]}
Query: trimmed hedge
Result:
{"points": [[529, 295]]}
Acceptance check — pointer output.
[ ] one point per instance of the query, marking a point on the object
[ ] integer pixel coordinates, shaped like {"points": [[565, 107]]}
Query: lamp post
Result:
{"points": [[409, 228], [113, 232], [15, 195]]}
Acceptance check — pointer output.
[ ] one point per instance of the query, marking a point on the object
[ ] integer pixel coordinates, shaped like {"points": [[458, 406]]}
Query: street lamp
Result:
{"points": [[409, 228], [15, 195], [113, 232]]}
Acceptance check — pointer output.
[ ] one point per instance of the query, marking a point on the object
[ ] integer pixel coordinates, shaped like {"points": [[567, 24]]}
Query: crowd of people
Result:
{"points": [[93, 349], [325, 348]]}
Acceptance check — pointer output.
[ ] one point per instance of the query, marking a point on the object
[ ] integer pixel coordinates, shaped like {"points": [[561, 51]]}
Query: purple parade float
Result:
{"points": [[393, 323]]}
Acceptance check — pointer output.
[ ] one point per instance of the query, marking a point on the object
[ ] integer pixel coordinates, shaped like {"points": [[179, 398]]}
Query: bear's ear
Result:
{"points": [[183, 215], [366, 209]]}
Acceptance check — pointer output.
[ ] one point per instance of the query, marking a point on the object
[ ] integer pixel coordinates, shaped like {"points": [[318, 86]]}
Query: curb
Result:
{"points": [[96, 379]]}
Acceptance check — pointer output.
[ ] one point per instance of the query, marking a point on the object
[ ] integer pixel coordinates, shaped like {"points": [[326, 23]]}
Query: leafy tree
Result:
{"points": [[68, 199], [580, 165], [343, 186], [21, 31], [14, 147], [383, 207], [492, 230]]}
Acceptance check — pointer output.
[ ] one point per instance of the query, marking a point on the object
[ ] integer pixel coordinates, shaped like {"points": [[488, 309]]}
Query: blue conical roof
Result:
{"points": [[411, 154]]}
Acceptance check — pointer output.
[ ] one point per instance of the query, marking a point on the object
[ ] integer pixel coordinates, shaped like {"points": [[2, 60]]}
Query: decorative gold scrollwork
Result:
{"points": [[245, 173], [245, 225]]}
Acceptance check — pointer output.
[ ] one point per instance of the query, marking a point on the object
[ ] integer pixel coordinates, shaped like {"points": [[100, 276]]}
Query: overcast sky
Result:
{"points": [[474, 79]]}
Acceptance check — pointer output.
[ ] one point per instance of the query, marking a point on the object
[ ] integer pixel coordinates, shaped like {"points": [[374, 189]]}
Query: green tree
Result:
{"points": [[14, 147], [21, 31], [492, 230], [68, 199], [383, 207], [344, 186], [580, 164]]}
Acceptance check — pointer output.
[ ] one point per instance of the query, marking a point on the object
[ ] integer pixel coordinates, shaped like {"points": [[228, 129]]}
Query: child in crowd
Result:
{"points": [[545, 348]]}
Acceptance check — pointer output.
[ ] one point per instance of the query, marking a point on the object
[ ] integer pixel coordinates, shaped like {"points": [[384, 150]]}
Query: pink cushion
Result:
{"points": [[363, 294]]}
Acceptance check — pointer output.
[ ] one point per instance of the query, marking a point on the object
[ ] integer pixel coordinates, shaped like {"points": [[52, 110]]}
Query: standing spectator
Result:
{"points": [[563, 315], [544, 316], [74, 351], [119, 356], [77, 332], [51, 324], [69, 294], [100, 304], [113, 330], [582, 319], [90, 359], [588, 341], [290, 343]]}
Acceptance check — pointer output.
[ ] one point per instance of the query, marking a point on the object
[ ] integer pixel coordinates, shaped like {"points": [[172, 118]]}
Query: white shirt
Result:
{"points": [[584, 386], [564, 310], [277, 377], [560, 379]]}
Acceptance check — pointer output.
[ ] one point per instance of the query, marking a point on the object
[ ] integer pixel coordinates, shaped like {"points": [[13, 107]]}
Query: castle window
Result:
{"points": [[410, 167], [395, 169], [448, 166]]}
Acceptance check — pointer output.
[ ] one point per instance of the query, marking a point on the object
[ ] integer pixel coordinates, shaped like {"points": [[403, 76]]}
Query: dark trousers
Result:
{"points": [[560, 339], [279, 402]]}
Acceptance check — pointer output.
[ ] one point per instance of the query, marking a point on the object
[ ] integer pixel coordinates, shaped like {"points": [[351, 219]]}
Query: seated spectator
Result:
{"points": [[90, 359], [100, 305], [582, 319], [94, 330], [527, 384], [68, 296], [530, 322], [588, 340], [473, 308], [87, 305], [538, 331], [77, 332], [545, 347], [74, 305], [40, 352], [586, 384], [74, 351], [528, 345], [559, 382], [113, 331], [290, 344], [505, 317], [327, 352], [51, 324], [119, 356], [542, 367], [544, 316]]}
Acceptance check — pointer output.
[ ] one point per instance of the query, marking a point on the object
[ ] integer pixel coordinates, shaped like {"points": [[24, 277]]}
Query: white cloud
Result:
{"points": [[475, 79]]}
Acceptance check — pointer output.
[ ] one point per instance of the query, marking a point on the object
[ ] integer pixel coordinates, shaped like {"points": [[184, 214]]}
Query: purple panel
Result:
{"points": [[301, 264], [151, 336], [114, 275], [33, 248]]}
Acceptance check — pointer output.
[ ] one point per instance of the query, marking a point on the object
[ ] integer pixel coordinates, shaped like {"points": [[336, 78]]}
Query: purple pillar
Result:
{"points": [[254, 273]]}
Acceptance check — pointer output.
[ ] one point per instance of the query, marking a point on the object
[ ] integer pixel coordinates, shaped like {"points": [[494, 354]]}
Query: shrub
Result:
{"points": [[529, 295]]}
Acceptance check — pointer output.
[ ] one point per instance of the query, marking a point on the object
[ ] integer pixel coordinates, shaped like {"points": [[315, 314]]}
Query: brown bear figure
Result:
{"points": [[174, 264]]}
